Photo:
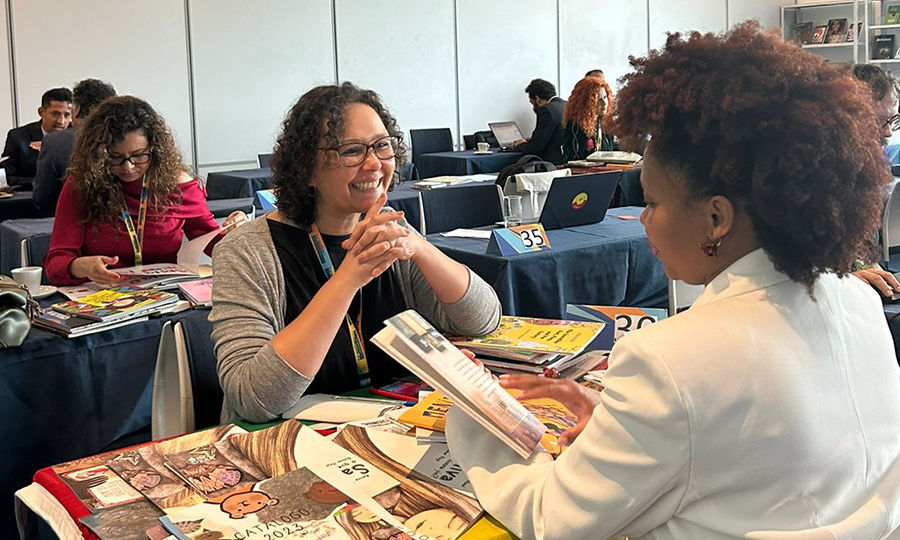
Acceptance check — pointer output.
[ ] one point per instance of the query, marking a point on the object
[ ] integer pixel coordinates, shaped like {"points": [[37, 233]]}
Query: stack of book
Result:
{"points": [[109, 308], [536, 346]]}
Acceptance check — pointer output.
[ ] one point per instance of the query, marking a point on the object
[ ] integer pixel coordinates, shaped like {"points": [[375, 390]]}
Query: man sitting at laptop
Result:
{"points": [[546, 140]]}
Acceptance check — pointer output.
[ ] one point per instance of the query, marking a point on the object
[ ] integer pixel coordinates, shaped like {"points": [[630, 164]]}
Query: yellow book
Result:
{"points": [[537, 335], [429, 413]]}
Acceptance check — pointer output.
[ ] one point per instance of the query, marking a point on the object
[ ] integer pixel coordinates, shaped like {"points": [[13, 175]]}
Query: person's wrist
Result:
{"points": [[75, 268]]}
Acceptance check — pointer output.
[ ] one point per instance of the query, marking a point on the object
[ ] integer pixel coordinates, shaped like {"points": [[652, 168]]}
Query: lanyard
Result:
{"points": [[137, 234], [359, 352]]}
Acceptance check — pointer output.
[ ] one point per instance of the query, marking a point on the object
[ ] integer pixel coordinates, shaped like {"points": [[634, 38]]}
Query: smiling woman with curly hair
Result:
{"points": [[771, 407], [128, 197], [299, 292]]}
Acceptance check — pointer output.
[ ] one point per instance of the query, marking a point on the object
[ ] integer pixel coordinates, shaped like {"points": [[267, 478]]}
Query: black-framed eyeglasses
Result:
{"points": [[135, 160], [352, 154], [893, 122]]}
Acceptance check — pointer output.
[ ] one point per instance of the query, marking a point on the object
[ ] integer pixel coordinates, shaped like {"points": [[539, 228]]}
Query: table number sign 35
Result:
{"points": [[519, 239]]}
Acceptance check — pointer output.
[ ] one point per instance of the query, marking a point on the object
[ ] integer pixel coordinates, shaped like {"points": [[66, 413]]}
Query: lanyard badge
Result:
{"points": [[137, 233], [359, 352]]}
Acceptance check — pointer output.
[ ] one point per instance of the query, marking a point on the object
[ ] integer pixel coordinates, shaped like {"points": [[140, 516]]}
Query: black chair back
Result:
{"points": [[425, 141], [263, 160], [469, 142], [206, 391], [445, 209], [486, 136]]}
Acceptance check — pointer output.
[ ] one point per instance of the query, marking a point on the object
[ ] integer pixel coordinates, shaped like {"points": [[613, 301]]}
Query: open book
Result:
{"points": [[410, 340]]}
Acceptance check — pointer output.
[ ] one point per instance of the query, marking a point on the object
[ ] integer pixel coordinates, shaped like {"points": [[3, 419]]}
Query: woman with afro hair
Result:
{"points": [[770, 408]]}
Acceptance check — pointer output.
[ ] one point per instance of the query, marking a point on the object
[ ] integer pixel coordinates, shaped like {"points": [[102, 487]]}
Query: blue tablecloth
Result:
{"points": [[13, 231], [607, 263], [237, 184], [19, 206], [61, 399], [463, 163]]}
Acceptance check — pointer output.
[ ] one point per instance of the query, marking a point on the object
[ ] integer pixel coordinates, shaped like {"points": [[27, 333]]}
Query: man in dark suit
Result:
{"points": [[24, 142], [56, 148], [546, 139]]}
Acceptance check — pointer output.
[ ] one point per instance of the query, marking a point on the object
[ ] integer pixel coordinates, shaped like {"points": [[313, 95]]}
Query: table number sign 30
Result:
{"points": [[519, 239]]}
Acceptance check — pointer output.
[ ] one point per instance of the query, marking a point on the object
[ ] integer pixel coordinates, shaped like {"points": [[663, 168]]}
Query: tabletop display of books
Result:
{"points": [[540, 346], [101, 310]]}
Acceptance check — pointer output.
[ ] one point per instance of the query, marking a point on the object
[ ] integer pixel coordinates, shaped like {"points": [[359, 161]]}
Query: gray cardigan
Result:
{"points": [[249, 306]]}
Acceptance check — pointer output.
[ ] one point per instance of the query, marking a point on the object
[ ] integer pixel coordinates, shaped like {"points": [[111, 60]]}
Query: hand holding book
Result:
{"points": [[577, 398]]}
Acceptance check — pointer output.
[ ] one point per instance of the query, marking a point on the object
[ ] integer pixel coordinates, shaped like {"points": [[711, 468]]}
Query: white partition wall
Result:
{"points": [[682, 15], [410, 62], [587, 40], [250, 64], [138, 46], [765, 11], [502, 46]]}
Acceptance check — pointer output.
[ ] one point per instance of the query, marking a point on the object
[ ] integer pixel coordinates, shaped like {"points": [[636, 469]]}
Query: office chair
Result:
{"points": [[445, 209], [262, 160], [682, 295], [426, 141]]}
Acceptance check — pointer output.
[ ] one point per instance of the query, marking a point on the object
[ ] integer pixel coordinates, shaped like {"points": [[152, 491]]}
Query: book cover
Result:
{"points": [[210, 473], [883, 47], [618, 319], [71, 325], [199, 291], [819, 34], [154, 275], [117, 303], [413, 342], [298, 504], [429, 413], [837, 31], [802, 32], [537, 335], [414, 496], [892, 15], [851, 33]]}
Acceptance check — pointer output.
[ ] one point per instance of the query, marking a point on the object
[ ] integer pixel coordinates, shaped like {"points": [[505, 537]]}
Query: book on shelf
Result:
{"points": [[837, 31], [819, 34], [117, 303], [892, 14], [413, 342], [802, 32], [883, 47], [851, 33]]}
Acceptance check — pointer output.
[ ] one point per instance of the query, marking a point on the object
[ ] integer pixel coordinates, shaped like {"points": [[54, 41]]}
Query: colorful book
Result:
{"points": [[892, 15], [199, 291], [537, 335], [117, 303], [618, 320], [429, 413], [72, 325], [155, 275]]}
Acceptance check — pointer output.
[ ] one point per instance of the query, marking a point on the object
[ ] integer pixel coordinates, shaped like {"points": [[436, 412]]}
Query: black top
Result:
{"points": [[577, 145], [381, 299], [546, 139]]}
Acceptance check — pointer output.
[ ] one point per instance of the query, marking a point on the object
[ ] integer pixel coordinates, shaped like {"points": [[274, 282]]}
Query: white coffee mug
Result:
{"points": [[30, 276], [483, 147]]}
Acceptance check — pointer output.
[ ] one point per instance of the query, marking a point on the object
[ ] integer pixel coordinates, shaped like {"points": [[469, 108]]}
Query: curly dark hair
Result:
{"points": [[586, 106], [878, 80], [540, 88], [88, 93], [317, 121], [106, 126], [788, 137], [62, 94]]}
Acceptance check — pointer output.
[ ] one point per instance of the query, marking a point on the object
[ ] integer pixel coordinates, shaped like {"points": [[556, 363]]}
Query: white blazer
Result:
{"points": [[757, 413]]}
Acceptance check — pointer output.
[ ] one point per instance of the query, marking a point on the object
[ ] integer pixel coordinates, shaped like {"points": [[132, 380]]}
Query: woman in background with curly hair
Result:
{"points": [[586, 119], [128, 197], [771, 407], [298, 293]]}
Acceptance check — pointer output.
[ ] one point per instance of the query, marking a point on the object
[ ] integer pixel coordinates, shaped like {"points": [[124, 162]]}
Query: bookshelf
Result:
{"points": [[880, 24], [822, 13]]}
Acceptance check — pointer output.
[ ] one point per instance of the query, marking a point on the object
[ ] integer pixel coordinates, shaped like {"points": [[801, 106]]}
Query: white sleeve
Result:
{"points": [[626, 473]]}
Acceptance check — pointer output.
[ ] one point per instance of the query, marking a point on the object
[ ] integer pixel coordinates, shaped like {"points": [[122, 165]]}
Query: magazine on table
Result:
{"points": [[413, 342], [117, 303], [155, 275], [72, 325], [523, 335]]}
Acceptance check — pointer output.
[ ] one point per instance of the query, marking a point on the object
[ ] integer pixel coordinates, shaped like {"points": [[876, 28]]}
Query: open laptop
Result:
{"points": [[576, 200], [506, 133]]}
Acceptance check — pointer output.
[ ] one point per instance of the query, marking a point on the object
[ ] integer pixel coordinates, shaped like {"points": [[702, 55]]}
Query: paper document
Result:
{"points": [[468, 233], [190, 252]]}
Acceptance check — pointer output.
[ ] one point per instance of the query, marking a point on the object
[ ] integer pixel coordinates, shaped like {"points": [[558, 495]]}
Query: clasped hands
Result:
{"points": [[377, 241]]}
